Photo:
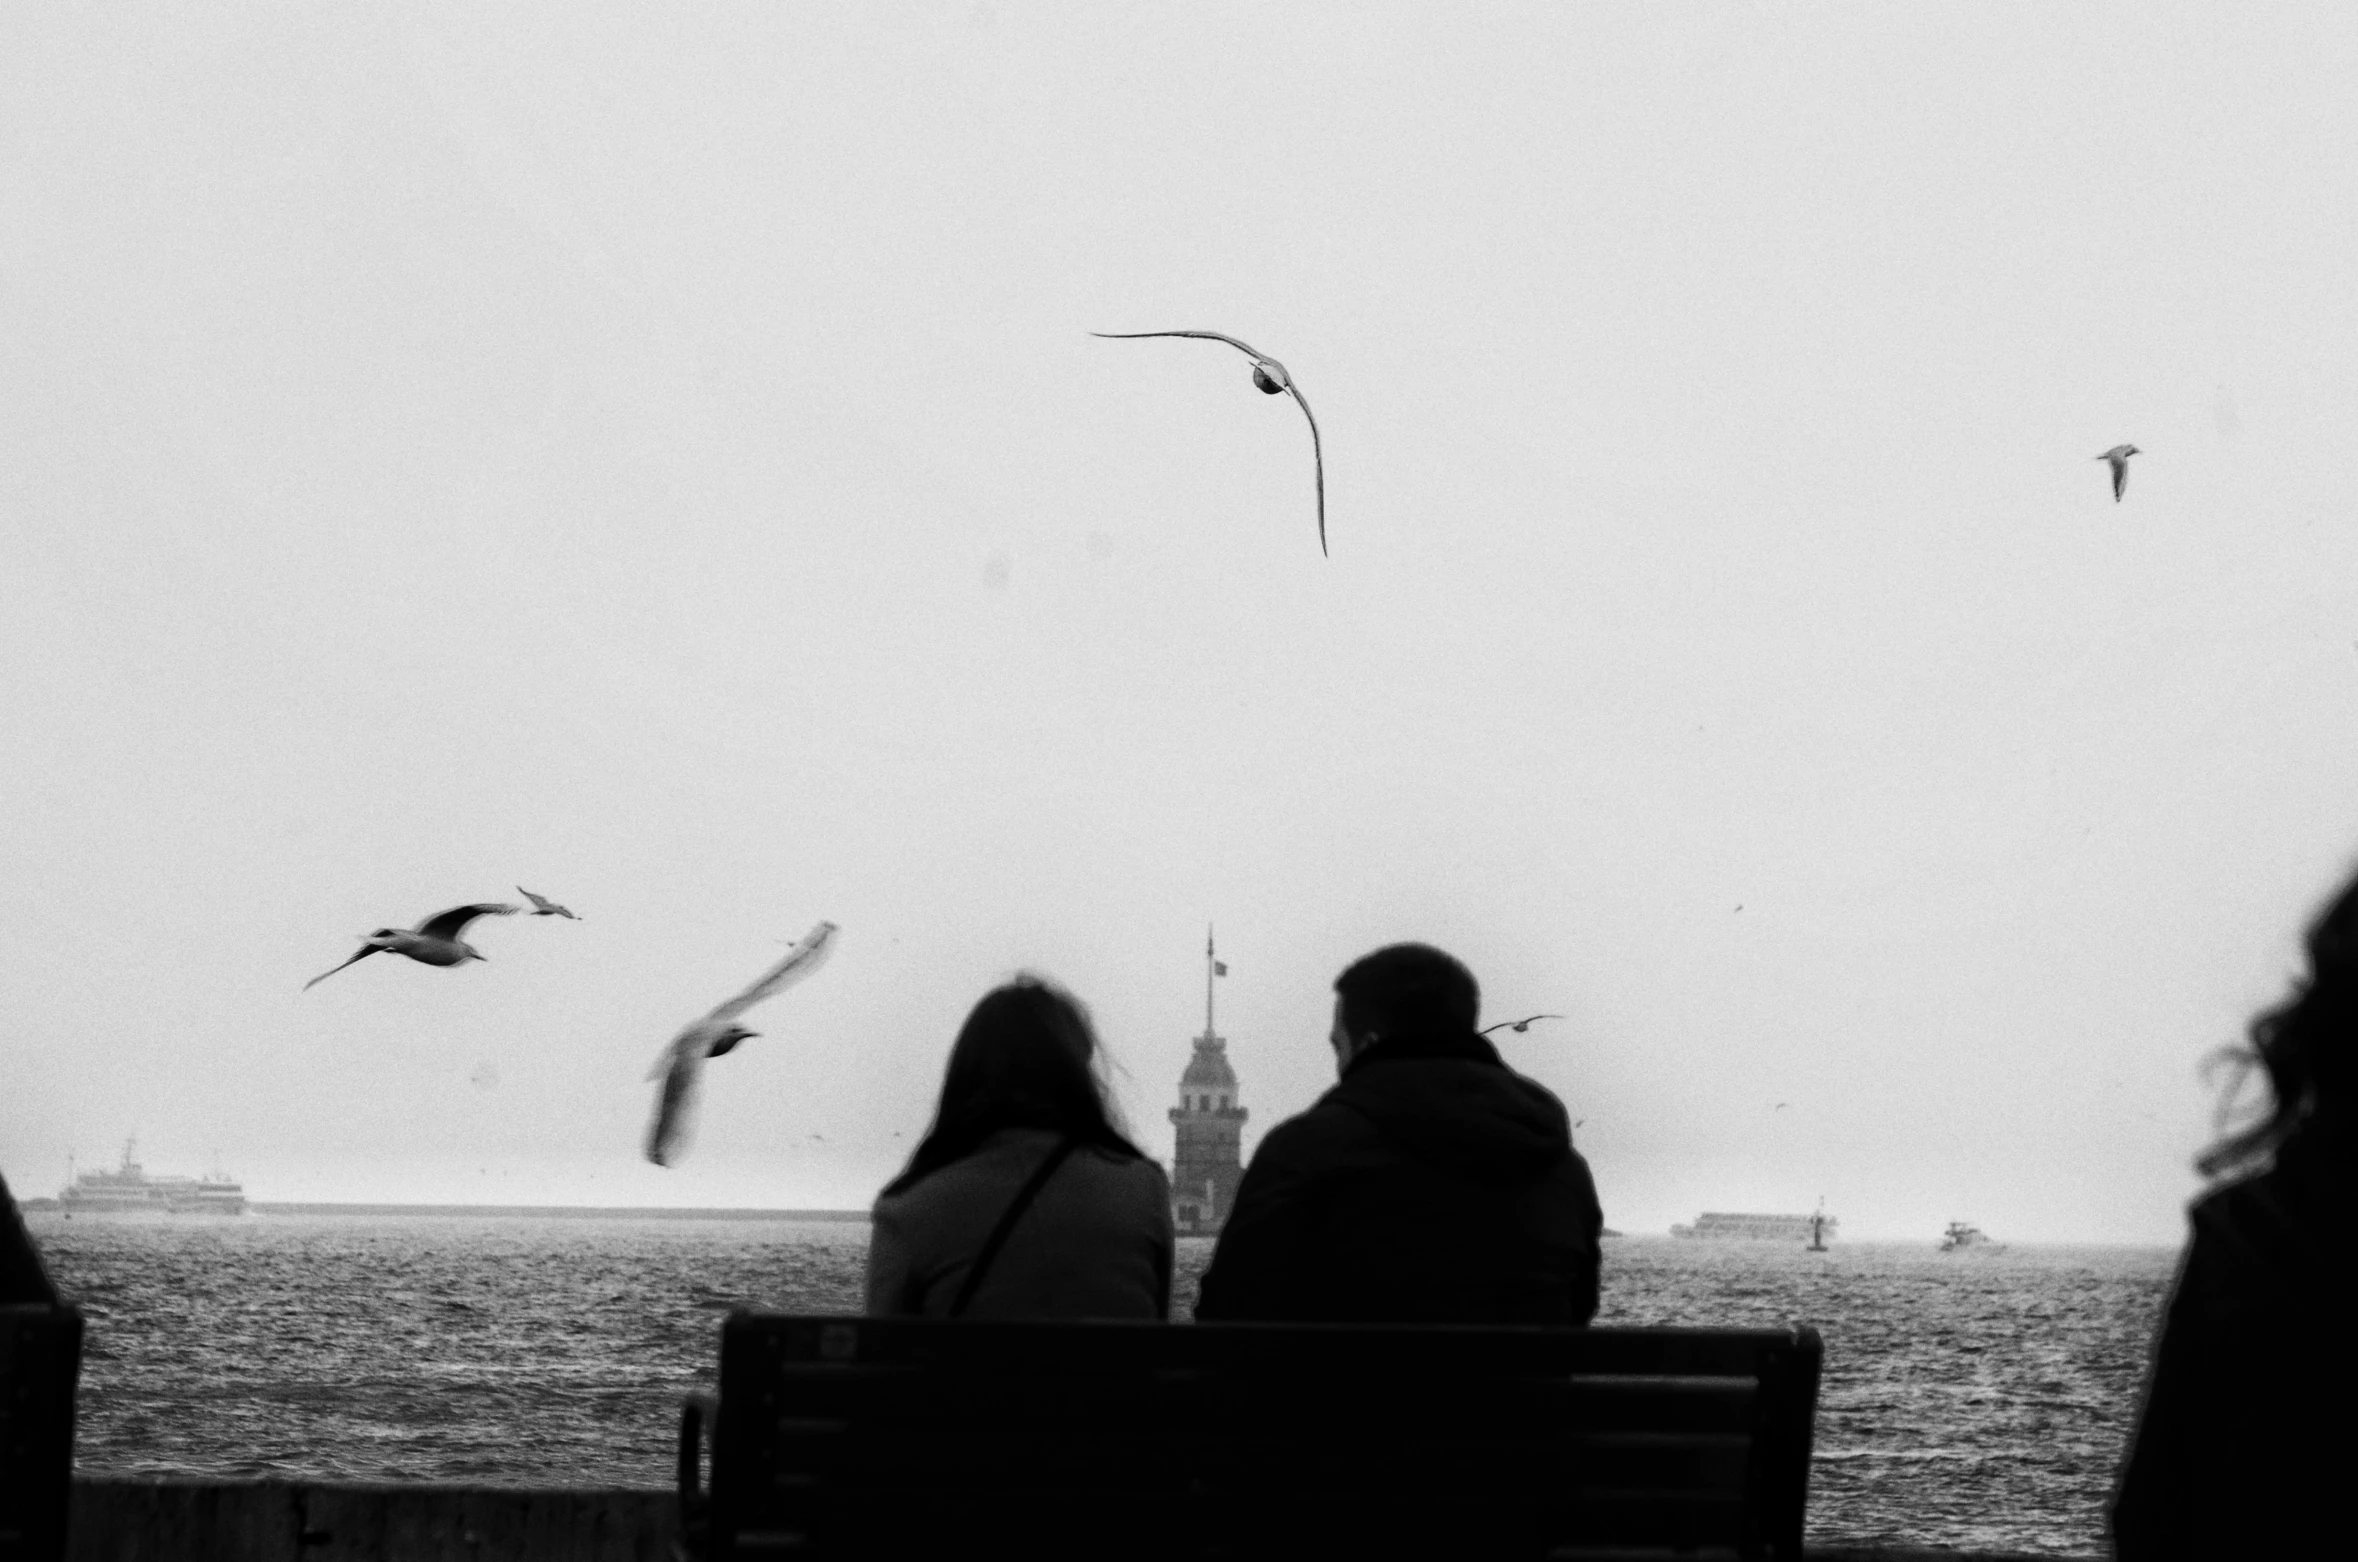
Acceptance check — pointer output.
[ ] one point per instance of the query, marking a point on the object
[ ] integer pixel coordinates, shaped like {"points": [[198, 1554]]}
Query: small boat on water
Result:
{"points": [[128, 1190], [1960, 1236]]}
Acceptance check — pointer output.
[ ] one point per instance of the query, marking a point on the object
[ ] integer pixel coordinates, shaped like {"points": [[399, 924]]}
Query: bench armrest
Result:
{"points": [[697, 1412]]}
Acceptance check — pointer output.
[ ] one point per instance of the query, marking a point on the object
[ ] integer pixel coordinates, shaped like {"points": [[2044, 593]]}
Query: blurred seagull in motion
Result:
{"points": [[542, 906], [1271, 376], [434, 941], [1519, 1025], [2119, 455], [682, 1063]]}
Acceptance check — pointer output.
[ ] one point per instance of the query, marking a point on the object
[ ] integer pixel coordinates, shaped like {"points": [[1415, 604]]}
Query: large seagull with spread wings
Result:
{"points": [[1271, 376], [434, 941], [682, 1063]]}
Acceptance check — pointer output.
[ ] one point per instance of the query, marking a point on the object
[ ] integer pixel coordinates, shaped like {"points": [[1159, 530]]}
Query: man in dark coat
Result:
{"points": [[1432, 1185]]}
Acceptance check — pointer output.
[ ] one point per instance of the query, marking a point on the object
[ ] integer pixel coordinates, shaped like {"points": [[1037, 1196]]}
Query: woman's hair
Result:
{"points": [[2304, 1044], [1025, 1058]]}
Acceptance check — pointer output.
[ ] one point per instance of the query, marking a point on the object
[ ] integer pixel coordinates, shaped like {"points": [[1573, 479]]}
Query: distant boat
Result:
{"points": [[128, 1189], [1961, 1236], [1716, 1226]]}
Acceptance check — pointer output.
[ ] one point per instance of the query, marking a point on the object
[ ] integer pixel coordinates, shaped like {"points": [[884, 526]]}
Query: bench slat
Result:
{"points": [[1619, 1401], [1455, 1350], [977, 1452]]}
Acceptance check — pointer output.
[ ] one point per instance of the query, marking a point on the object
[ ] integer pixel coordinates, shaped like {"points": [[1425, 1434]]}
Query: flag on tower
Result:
{"points": [[1219, 968]]}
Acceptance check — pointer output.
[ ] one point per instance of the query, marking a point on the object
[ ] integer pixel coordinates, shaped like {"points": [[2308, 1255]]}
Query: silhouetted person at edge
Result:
{"points": [[2247, 1445], [1024, 1199], [22, 1278], [1432, 1185]]}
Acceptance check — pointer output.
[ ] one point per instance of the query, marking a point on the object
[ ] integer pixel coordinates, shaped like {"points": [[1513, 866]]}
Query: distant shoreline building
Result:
{"points": [[1714, 1226], [1207, 1160]]}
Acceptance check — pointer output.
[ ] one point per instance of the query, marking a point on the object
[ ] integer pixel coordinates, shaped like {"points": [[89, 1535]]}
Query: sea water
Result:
{"points": [[1977, 1399]]}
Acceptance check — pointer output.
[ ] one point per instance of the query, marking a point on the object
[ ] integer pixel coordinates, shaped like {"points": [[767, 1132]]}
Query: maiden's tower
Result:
{"points": [[1207, 1125]]}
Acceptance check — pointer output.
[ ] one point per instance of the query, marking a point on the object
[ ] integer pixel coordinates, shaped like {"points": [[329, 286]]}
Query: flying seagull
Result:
{"points": [[542, 906], [2119, 455], [1271, 376], [682, 1062], [434, 941], [1519, 1025]]}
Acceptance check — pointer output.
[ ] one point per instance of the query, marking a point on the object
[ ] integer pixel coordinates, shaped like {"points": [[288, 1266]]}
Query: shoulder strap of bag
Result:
{"points": [[998, 1236]]}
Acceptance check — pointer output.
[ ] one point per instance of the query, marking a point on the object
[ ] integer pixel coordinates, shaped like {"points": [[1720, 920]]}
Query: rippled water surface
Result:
{"points": [[1969, 1400], [1977, 1400]]}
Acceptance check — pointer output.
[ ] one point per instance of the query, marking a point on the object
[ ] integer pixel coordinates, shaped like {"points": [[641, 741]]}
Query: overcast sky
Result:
{"points": [[658, 457]]}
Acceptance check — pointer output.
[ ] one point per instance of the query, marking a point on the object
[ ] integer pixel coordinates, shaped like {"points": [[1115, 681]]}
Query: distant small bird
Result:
{"points": [[1272, 377], [2119, 455], [434, 941], [682, 1062], [542, 906], [1519, 1025], [1780, 1106]]}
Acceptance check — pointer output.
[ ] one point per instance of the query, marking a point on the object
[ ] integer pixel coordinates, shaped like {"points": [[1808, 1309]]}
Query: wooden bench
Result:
{"points": [[40, 1359], [870, 1437]]}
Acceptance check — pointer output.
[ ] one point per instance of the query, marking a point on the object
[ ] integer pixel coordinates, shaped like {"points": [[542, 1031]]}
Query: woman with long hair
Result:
{"points": [[2247, 1442], [1024, 1199]]}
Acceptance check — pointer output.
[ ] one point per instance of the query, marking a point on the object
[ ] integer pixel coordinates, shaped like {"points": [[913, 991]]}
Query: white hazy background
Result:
{"points": [[657, 456]]}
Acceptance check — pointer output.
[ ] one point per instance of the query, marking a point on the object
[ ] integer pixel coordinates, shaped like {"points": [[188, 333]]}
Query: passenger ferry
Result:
{"points": [[1715, 1225], [128, 1189]]}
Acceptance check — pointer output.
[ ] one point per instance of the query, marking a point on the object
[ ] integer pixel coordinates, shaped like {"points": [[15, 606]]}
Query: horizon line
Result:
{"points": [[573, 1211], [861, 1216]]}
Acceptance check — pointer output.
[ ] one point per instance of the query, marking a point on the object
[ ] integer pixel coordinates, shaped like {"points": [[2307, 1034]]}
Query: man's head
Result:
{"points": [[1400, 992]]}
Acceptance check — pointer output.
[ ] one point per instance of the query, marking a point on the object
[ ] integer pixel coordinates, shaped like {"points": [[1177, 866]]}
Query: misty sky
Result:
{"points": [[658, 457]]}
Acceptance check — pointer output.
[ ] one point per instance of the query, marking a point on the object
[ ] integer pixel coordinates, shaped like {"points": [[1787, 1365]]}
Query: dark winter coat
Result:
{"points": [[1433, 1185], [2246, 1445], [1096, 1242]]}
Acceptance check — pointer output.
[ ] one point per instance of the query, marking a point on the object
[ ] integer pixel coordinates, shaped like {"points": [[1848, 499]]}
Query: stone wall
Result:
{"points": [[122, 1519], [128, 1520]]}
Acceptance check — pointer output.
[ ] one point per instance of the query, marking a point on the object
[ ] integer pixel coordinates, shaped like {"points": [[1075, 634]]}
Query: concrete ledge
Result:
{"points": [[126, 1519], [131, 1519]]}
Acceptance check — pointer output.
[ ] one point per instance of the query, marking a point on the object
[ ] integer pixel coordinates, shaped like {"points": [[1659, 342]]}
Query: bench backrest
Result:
{"points": [[40, 1359], [866, 1437]]}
